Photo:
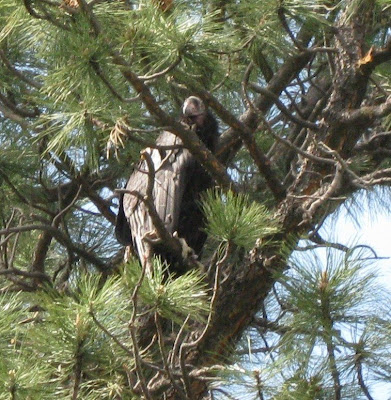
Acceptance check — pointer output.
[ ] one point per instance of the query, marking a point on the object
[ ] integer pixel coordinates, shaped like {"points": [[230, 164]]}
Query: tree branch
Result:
{"points": [[247, 135], [64, 240], [365, 115], [296, 119], [17, 73], [230, 141]]}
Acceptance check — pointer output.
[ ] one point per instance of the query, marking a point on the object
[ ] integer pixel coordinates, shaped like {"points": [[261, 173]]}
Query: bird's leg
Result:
{"points": [[187, 253], [152, 237], [148, 257]]}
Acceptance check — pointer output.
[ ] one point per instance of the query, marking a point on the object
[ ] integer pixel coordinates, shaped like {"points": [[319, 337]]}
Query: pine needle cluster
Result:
{"points": [[77, 343], [234, 218], [324, 328]]}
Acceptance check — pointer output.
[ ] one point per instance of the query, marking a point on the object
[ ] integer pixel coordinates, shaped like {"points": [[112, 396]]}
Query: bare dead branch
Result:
{"points": [[316, 238], [156, 75], [67, 208], [226, 76], [166, 365], [296, 119], [246, 77], [380, 177], [332, 188], [176, 345], [289, 144]]}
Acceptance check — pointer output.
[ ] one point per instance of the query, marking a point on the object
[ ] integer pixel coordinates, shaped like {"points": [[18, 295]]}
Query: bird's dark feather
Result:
{"points": [[179, 181]]}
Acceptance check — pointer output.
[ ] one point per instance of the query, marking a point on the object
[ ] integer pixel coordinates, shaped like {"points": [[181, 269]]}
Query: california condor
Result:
{"points": [[179, 179]]}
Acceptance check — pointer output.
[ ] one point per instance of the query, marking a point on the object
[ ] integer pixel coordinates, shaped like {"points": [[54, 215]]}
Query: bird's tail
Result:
{"points": [[122, 228]]}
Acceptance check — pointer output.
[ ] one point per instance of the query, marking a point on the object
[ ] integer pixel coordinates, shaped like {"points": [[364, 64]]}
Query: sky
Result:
{"points": [[369, 227]]}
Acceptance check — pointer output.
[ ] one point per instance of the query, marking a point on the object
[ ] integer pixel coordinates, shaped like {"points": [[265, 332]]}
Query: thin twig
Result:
{"points": [[132, 329], [146, 78], [225, 77], [360, 377], [246, 100], [194, 343], [46, 16], [67, 208], [98, 70], [344, 164], [164, 358], [289, 144], [175, 348], [296, 119], [14, 245], [17, 73], [128, 351], [332, 188]]}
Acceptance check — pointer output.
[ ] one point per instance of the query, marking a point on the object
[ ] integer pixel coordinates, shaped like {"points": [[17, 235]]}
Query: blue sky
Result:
{"points": [[369, 227]]}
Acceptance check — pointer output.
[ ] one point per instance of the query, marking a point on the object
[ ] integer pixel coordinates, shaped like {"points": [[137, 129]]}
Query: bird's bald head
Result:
{"points": [[194, 111]]}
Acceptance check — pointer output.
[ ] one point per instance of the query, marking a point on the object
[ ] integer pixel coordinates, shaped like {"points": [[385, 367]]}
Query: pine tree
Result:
{"points": [[302, 92]]}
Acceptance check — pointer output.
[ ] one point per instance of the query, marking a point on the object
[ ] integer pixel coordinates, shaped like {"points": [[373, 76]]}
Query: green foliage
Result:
{"points": [[345, 287], [68, 59], [172, 297], [64, 90], [72, 343], [67, 341], [11, 313], [233, 218], [17, 374], [327, 306]]}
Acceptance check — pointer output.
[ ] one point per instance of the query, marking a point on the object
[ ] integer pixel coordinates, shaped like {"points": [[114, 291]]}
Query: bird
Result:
{"points": [[178, 182]]}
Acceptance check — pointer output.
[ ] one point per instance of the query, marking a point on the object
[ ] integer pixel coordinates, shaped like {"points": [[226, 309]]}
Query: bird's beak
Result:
{"points": [[193, 107]]}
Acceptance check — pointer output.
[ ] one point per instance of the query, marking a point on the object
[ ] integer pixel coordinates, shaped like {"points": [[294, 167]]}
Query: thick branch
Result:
{"points": [[366, 115], [189, 138], [247, 135]]}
